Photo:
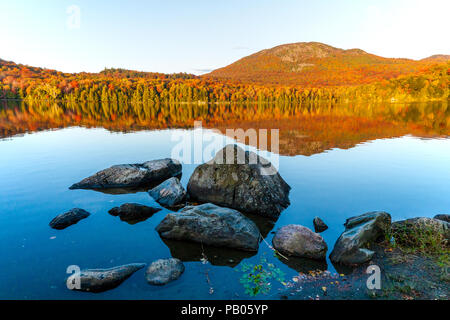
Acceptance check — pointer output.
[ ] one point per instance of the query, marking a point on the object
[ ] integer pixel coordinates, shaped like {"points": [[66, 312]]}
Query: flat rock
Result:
{"points": [[299, 241], [319, 225], [66, 219], [240, 180], [169, 193], [163, 271], [443, 217], [133, 212], [360, 232], [131, 175], [211, 225], [99, 280]]}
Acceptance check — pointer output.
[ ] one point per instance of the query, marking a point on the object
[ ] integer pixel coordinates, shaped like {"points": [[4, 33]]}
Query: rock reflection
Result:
{"points": [[194, 252], [304, 265]]}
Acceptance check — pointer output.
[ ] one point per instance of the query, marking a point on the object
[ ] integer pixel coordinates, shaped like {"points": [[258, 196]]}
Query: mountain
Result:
{"points": [[314, 64], [438, 58]]}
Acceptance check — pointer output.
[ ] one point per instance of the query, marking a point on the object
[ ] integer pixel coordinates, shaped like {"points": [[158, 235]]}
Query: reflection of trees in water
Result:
{"points": [[304, 129]]}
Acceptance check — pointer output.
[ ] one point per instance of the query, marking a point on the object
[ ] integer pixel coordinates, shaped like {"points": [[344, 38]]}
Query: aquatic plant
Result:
{"points": [[257, 278]]}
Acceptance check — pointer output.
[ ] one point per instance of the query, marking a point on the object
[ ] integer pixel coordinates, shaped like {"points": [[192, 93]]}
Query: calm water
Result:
{"points": [[406, 176]]}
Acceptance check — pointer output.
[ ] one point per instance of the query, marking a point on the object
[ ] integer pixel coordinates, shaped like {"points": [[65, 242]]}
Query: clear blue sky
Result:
{"points": [[195, 36]]}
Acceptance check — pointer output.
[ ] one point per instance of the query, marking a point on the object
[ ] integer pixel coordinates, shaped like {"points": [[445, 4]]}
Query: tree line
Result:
{"points": [[119, 86]]}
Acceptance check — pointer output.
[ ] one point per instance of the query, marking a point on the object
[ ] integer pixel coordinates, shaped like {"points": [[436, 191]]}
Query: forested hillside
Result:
{"points": [[314, 64], [423, 81]]}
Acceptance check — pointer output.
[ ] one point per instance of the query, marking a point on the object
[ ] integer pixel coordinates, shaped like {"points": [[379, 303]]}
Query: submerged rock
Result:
{"points": [[131, 175], [443, 217], [99, 280], [240, 180], [360, 232], [169, 193], [163, 271], [64, 220], [299, 241], [133, 212], [412, 231], [319, 225], [211, 225]]}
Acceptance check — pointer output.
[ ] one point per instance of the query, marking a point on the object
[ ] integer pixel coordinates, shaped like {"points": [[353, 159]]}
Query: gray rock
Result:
{"points": [[131, 175], [169, 193], [163, 271], [443, 217], [99, 280], [211, 225], [240, 180], [299, 241], [360, 232], [319, 225], [67, 219], [411, 230], [133, 212]]}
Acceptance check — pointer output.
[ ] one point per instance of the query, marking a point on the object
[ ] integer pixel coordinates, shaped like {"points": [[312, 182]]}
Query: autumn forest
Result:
{"points": [[297, 77]]}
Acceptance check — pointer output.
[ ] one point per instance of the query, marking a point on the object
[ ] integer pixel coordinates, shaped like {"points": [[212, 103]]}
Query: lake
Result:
{"points": [[340, 162]]}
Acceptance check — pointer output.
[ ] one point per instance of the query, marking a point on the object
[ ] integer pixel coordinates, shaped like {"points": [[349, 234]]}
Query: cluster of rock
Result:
{"points": [[230, 186], [361, 232], [122, 176], [159, 272], [234, 183]]}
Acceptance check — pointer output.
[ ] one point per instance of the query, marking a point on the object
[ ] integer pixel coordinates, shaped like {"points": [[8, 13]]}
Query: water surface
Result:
{"points": [[405, 174]]}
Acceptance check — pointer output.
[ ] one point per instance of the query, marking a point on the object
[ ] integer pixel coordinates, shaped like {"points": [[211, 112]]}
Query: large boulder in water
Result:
{"points": [[211, 225], [240, 180], [99, 280], [360, 232], [131, 175], [163, 271], [299, 241], [170, 193], [69, 218]]}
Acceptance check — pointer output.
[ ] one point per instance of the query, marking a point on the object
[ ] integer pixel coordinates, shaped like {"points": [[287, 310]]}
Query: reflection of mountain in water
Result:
{"points": [[304, 129]]}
